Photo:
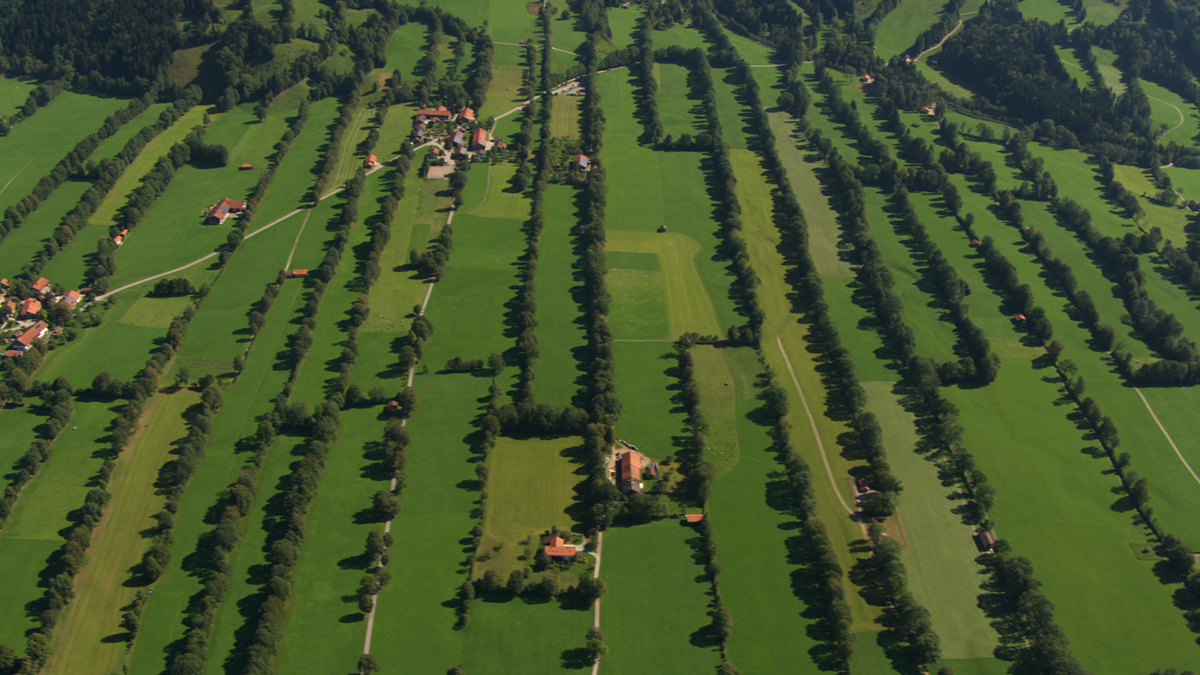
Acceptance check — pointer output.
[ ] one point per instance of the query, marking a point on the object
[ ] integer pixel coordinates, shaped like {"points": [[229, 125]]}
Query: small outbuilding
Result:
{"points": [[297, 274], [693, 518], [1019, 318], [467, 114], [984, 540], [582, 161], [371, 162], [246, 167], [392, 408]]}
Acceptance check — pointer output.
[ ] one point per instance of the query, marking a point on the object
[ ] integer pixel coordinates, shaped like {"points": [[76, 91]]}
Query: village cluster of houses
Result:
{"points": [[456, 141], [27, 310]]}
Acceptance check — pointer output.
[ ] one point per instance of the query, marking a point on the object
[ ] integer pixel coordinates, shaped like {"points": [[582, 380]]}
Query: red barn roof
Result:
{"points": [[372, 161], [695, 517], [560, 551], [439, 111], [629, 466], [555, 541], [479, 139], [41, 284], [467, 114]]}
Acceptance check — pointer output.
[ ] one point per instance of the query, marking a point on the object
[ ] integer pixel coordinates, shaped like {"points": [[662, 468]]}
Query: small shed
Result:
{"points": [[246, 167], [1019, 318], [371, 162], [297, 274], [985, 541], [392, 407], [693, 518]]}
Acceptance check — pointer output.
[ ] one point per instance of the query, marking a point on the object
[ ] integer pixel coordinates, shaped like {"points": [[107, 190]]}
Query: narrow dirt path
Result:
{"points": [[813, 423], [1164, 430], [941, 42], [288, 265], [14, 176], [596, 574]]}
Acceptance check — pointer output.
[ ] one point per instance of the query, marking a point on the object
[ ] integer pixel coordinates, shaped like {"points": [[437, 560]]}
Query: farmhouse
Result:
{"points": [[41, 285], [25, 340], [467, 114], [222, 210], [629, 473], [479, 139], [438, 113], [371, 162], [557, 549], [30, 308]]}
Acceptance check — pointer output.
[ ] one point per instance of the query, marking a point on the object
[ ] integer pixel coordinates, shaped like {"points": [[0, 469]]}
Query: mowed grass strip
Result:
{"points": [[531, 488], [639, 306], [689, 305], [940, 554], [82, 641], [770, 634], [658, 600], [24, 243], [525, 636]]}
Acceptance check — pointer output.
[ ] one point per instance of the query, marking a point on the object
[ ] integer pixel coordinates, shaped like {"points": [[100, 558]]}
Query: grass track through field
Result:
{"points": [[80, 643]]}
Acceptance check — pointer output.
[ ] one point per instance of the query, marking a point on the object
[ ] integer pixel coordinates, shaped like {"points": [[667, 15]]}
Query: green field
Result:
{"points": [[560, 329], [531, 489], [899, 30]]}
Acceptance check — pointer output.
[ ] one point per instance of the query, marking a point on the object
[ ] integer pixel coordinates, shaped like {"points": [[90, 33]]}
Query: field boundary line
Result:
{"points": [[813, 423], [596, 575], [1164, 430]]}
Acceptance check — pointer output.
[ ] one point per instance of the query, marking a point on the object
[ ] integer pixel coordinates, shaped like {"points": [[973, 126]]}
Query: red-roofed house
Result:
{"points": [[12, 352], [12, 307], [479, 139], [30, 308], [693, 518], [297, 274], [24, 340], [41, 285], [582, 161], [119, 239], [558, 549], [371, 162], [72, 298], [4, 283], [629, 472], [467, 114], [221, 211], [438, 113]]}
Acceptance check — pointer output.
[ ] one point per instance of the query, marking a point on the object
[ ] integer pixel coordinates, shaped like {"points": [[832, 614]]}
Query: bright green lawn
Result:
{"points": [[729, 108], [110, 146], [1046, 10], [23, 244], [646, 381], [639, 308], [676, 111], [564, 117], [658, 601], [518, 636], [116, 346]]}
